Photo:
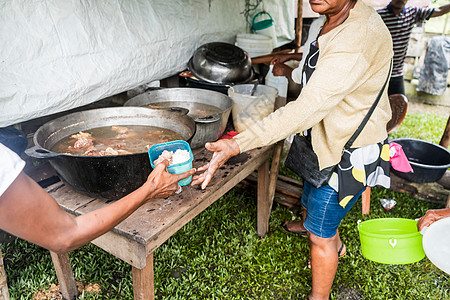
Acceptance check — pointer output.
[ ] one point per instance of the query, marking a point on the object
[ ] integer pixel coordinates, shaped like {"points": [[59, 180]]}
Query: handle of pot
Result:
{"points": [[39, 152], [186, 74], [180, 110], [261, 13], [208, 119], [393, 242]]}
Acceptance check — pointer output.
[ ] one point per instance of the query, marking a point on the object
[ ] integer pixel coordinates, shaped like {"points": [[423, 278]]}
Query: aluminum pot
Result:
{"points": [[209, 127], [113, 176], [222, 63]]}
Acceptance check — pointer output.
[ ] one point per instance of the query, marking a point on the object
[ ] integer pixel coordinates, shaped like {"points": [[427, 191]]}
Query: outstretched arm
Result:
{"points": [[441, 10], [29, 212]]}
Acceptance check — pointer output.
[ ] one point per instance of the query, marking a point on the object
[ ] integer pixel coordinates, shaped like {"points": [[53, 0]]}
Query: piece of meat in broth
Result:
{"points": [[83, 143]]}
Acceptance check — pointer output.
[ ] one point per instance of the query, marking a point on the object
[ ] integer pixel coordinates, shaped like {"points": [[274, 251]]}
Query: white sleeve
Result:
{"points": [[312, 35], [10, 167]]}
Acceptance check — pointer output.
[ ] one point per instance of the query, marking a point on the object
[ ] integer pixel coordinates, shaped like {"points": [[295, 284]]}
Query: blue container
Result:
{"points": [[155, 151]]}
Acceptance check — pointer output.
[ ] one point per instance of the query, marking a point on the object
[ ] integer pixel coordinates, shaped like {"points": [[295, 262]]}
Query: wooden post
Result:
{"points": [[445, 140], [64, 273], [299, 25], [143, 281], [4, 293], [365, 197]]}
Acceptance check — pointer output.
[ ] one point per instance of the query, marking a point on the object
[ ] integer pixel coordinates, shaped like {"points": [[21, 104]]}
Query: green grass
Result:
{"points": [[420, 125], [219, 256]]}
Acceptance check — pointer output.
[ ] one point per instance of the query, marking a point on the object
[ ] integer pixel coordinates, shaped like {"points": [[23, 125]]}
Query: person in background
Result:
{"points": [[400, 20], [432, 216], [345, 70], [29, 212]]}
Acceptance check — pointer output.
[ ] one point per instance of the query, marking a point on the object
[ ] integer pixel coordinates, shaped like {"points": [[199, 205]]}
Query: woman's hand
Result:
{"points": [[432, 216], [281, 69], [281, 58], [223, 151], [161, 184]]}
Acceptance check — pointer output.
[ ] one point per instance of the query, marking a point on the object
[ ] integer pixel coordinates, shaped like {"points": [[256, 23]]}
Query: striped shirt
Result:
{"points": [[400, 28]]}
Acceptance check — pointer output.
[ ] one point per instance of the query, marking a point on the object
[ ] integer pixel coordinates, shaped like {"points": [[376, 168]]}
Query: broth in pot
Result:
{"points": [[114, 140]]}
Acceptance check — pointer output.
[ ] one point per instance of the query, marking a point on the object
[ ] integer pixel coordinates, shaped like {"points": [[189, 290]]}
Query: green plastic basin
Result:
{"points": [[391, 241]]}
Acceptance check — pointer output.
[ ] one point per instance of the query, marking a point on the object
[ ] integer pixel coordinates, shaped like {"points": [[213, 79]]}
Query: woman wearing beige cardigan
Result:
{"points": [[350, 64]]}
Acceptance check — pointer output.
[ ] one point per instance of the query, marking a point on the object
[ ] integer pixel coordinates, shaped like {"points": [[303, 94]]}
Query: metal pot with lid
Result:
{"points": [[221, 63], [209, 109]]}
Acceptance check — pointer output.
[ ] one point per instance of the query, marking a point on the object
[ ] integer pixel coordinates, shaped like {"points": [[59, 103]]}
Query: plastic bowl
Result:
{"points": [[429, 161], [391, 241], [155, 151]]}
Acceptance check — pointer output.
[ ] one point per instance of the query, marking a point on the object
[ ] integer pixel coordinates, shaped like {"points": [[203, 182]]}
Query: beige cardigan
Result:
{"points": [[352, 67]]}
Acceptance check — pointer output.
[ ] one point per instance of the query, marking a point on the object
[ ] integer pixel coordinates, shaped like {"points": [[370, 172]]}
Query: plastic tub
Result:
{"points": [[428, 161], [155, 151], [254, 44], [248, 109], [391, 241]]}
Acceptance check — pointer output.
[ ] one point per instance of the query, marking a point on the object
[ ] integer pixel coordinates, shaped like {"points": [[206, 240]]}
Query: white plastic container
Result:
{"points": [[254, 44], [278, 82], [248, 109]]}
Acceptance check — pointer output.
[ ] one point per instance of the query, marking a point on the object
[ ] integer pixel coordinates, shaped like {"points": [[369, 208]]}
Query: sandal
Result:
{"points": [[303, 233], [341, 253]]}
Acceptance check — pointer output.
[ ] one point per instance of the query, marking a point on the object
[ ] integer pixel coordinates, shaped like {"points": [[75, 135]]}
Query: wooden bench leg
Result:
{"points": [[366, 201], [143, 281], [263, 199], [267, 181], [66, 280], [4, 293]]}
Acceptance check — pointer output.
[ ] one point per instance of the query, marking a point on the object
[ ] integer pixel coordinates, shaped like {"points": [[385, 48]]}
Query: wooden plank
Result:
{"points": [[4, 293], [64, 273], [122, 247], [290, 188], [143, 281], [220, 188], [263, 199], [432, 192], [298, 26]]}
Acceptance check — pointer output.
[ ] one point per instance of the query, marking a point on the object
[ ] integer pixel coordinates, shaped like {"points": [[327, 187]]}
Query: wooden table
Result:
{"points": [[136, 238]]}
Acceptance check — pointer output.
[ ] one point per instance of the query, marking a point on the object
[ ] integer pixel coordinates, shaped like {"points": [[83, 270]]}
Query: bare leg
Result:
{"points": [[324, 262]]}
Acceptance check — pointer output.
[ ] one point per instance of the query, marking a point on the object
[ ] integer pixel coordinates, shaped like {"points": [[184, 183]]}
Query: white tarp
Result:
{"points": [[60, 54]]}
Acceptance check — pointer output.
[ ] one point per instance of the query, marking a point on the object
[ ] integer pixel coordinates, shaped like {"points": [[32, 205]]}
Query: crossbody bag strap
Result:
{"points": [[369, 113]]}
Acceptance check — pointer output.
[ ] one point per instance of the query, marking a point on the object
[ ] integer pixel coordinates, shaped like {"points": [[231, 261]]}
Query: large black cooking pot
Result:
{"points": [[209, 127], [110, 177]]}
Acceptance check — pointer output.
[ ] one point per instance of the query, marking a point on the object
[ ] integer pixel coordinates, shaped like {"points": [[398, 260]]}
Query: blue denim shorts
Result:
{"points": [[323, 212]]}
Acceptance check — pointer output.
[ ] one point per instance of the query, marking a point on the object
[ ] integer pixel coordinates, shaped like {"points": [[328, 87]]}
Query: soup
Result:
{"points": [[196, 110], [114, 140]]}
